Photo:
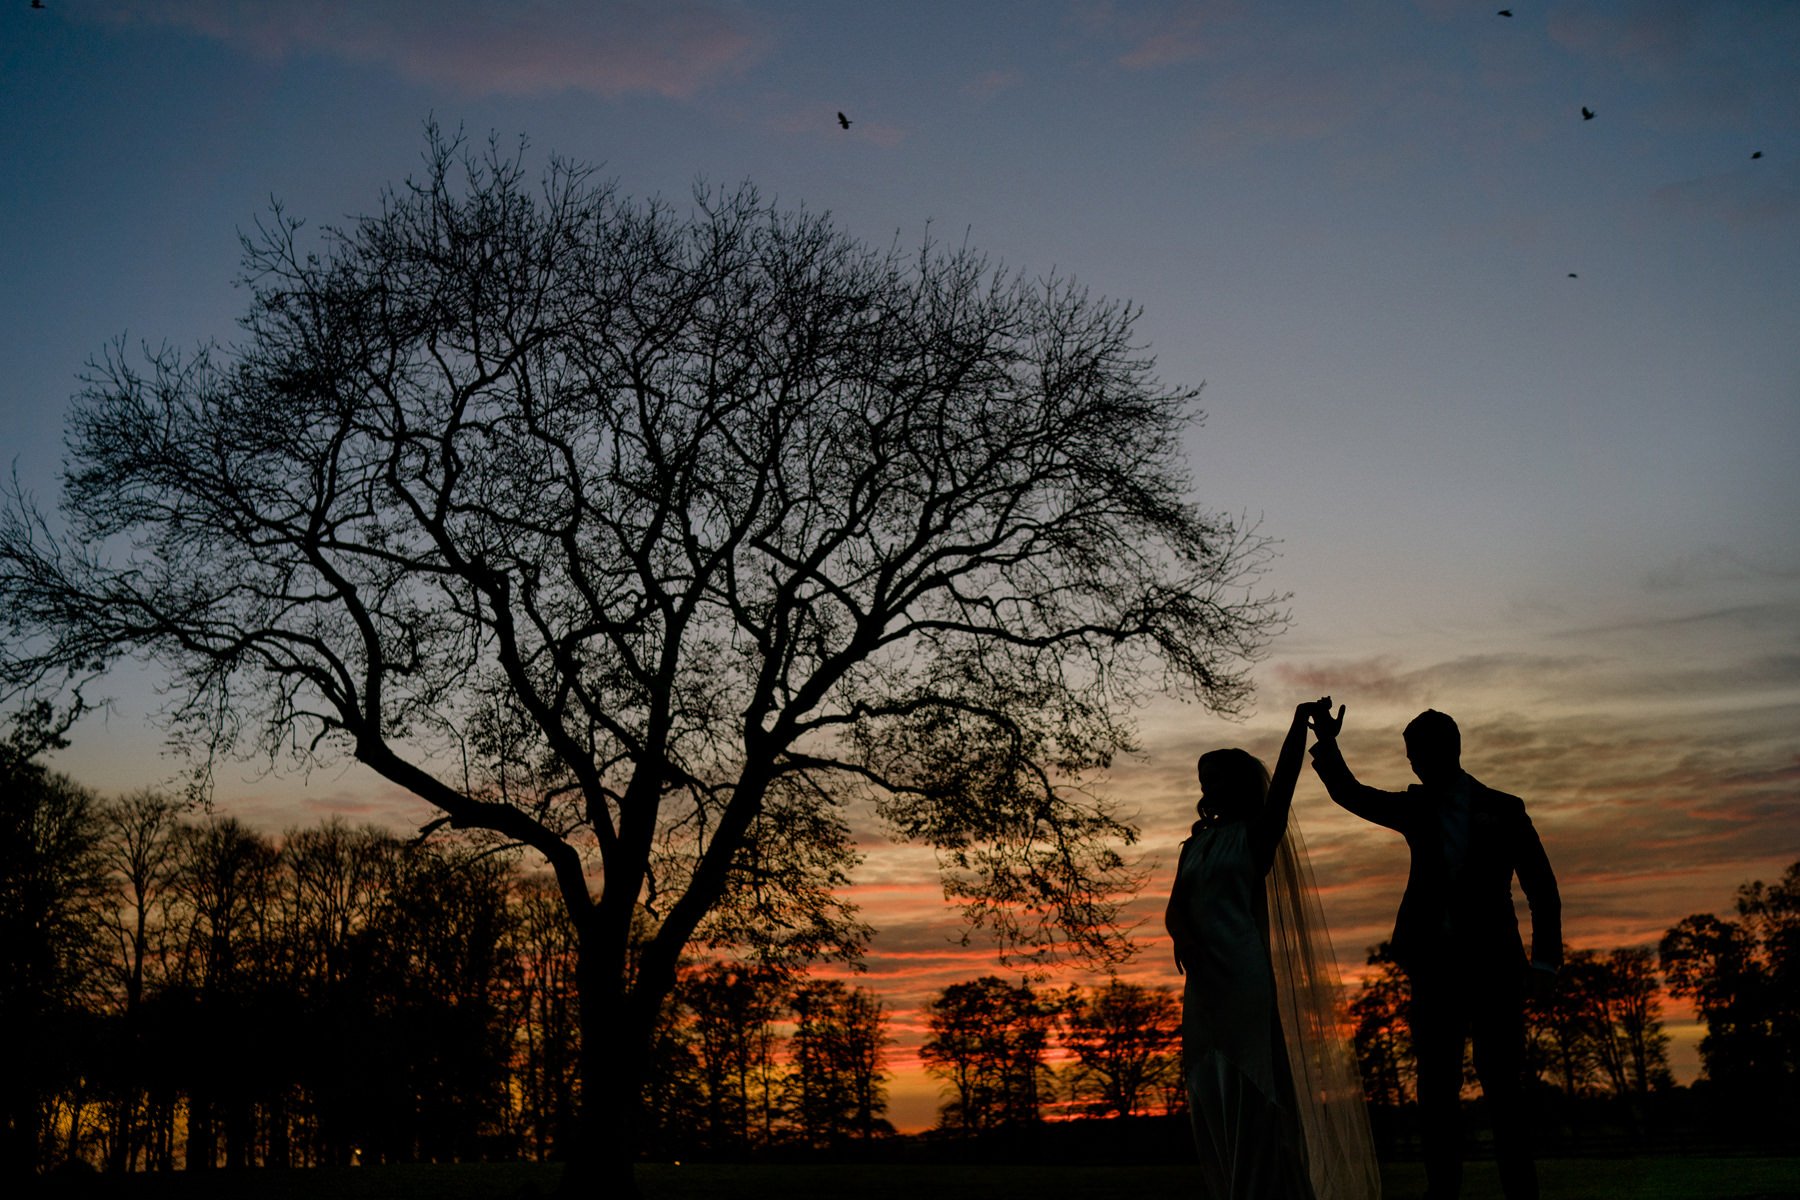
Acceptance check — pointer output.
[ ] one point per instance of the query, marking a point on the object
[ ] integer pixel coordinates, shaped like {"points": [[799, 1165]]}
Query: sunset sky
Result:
{"points": [[1517, 393]]}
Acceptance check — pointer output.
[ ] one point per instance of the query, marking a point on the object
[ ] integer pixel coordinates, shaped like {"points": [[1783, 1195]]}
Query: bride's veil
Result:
{"points": [[1333, 1116]]}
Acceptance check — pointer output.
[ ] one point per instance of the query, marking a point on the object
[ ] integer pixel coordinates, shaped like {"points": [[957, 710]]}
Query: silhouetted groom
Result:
{"points": [[1457, 939]]}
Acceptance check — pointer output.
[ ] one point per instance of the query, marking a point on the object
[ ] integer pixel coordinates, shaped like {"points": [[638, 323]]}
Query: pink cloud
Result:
{"points": [[1161, 35], [992, 83], [669, 47], [1709, 56], [1656, 34], [1740, 199]]}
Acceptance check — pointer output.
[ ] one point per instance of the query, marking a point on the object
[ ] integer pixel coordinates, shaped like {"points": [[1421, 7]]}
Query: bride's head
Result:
{"points": [[1233, 784]]}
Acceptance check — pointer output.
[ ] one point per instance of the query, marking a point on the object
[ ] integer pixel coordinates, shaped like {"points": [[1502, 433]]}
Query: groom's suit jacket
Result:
{"points": [[1467, 842]]}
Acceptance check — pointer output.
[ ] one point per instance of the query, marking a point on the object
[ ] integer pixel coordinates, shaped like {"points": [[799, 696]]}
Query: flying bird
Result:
{"points": [[37, 3], [843, 121], [1573, 275], [1758, 154], [1587, 114], [1506, 12]]}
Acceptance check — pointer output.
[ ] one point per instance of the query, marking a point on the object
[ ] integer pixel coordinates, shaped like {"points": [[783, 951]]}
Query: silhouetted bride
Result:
{"points": [[1272, 1086]]}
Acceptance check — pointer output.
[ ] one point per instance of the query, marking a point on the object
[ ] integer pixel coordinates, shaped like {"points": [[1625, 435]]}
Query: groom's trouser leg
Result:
{"points": [[1438, 1019], [1497, 1028]]}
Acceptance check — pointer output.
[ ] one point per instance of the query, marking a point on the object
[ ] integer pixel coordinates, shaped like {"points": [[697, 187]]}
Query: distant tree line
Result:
{"points": [[1596, 1042], [1596, 1045], [756, 1057], [178, 990], [1010, 1055]]}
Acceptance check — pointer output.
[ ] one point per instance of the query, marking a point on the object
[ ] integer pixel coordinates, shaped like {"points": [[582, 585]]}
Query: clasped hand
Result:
{"points": [[1318, 715]]}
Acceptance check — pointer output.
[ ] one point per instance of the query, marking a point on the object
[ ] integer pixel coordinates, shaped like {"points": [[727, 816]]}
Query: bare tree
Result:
{"points": [[835, 1090], [445, 920], [1630, 1046], [338, 878], [987, 1042], [1126, 1039], [598, 525], [1743, 976], [863, 1019], [229, 881], [1638, 1021], [548, 1037], [1381, 1033], [731, 1010], [139, 830], [53, 887]]}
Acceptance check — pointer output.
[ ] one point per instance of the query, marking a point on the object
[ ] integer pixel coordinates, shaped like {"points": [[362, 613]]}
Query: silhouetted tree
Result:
{"points": [[834, 1090], [595, 525], [1126, 1039], [1772, 914], [730, 1009], [862, 1057], [228, 878], [1598, 1033], [136, 843], [547, 1032], [445, 923], [53, 880], [1743, 977], [988, 1040], [1713, 962], [1630, 1046], [338, 881], [285, 1003], [1381, 1034], [1561, 1028], [676, 1120]]}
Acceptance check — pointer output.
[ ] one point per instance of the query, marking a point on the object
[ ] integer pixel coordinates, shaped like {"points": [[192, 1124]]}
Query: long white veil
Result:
{"points": [[1314, 1022]]}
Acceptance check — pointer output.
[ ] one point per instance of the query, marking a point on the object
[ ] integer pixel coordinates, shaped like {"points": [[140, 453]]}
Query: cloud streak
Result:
{"points": [[1739, 199], [1708, 57], [672, 48]]}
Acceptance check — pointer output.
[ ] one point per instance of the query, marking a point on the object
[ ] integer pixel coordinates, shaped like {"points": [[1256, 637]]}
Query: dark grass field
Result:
{"points": [[1647, 1178]]}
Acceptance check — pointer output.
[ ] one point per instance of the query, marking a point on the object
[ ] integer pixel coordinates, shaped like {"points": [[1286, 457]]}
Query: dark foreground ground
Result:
{"points": [[1745, 1178]]}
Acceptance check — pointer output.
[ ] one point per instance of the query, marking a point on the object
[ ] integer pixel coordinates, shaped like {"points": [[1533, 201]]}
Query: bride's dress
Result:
{"points": [[1272, 1086]]}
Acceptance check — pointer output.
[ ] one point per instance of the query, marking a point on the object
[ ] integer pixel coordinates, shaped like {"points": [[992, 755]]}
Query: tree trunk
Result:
{"points": [[202, 1146], [613, 1060], [124, 1126], [600, 1165], [18, 1141], [280, 1150], [616, 1031]]}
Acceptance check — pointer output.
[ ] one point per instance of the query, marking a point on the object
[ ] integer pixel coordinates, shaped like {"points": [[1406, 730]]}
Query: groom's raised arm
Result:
{"points": [[1371, 804]]}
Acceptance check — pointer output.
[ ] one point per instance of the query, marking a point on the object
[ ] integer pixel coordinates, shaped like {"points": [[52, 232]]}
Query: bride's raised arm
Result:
{"points": [[1272, 822]]}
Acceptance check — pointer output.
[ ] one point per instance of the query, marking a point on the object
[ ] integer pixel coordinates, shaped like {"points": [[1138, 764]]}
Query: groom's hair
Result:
{"points": [[1435, 734]]}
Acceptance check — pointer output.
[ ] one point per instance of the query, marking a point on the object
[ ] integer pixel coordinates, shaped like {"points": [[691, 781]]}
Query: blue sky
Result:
{"points": [[1563, 509]]}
